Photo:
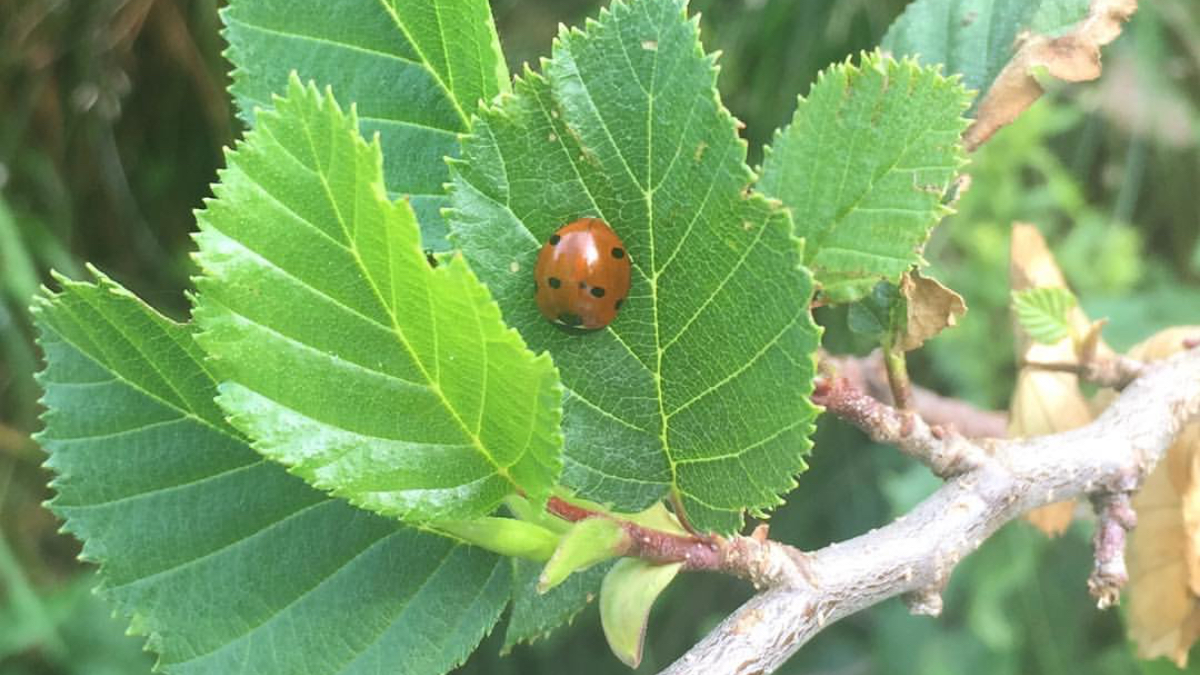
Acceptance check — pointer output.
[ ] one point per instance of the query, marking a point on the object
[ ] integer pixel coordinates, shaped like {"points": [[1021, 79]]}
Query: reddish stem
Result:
{"points": [[656, 546], [568, 511]]}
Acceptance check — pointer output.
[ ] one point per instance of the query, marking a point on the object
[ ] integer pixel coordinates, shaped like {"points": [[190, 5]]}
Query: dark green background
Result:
{"points": [[112, 118]]}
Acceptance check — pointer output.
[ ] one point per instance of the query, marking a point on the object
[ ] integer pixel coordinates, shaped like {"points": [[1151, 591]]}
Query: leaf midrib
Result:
{"points": [[304, 594], [829, 230], [182, 410], [403, 609], [442, 84], [648, 193], [434, 384], [652, 278], [231, 21]]}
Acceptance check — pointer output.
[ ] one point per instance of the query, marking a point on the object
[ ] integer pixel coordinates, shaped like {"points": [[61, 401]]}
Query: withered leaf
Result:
{"points": [[1044, 402], [1072, 57], [1164, 549], [931, 308]]}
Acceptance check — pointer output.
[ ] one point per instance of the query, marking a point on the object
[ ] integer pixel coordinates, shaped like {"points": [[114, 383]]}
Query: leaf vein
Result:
{"points": [[740, 369], [183, 410], [309, 591], [613, 416], [165, 489], [720, 287], [736, 454], [427, 64], [220, 549]]}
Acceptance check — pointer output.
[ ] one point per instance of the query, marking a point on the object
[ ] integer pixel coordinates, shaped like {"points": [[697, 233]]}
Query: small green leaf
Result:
{"points": [[506, 536], [590, 541], [698, 387], [345, 355], [224, 560], [417, 70], [878, 315], [976, 38], [535, 614], [626, 596], [657, 517], [522, 509], [864, 166], [1045, 313]]}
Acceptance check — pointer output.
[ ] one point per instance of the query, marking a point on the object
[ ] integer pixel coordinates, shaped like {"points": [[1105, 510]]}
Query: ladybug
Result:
{"points": [[582, 275]]}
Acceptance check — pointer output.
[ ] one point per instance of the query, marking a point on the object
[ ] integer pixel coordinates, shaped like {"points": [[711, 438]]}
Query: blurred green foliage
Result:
{"points": [[114, 113]]}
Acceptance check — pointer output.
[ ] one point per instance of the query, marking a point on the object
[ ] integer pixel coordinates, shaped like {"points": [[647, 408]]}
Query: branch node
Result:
{"points": [[765, 563], [946, 452], [925, 601], [918, 551], [1116, 517], [1115, 372], [869, 374]]}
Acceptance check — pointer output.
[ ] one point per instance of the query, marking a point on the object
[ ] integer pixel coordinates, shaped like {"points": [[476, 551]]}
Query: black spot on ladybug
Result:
{"points": [[554, 282], [618, 253], [582, 284], [554, 239], [569, 319], [597, 292], [620, 302]]}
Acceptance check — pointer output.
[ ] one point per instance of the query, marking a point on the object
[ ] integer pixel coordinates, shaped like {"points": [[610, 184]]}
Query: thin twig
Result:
{"points": [[1116, 371], [1115, 518], [762, 562], [942, 449], [915, 554], [869, 375], [898, 380]]}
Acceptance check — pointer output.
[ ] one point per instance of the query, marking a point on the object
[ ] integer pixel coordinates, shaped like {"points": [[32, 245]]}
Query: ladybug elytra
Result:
{"points": [[582, 275]]}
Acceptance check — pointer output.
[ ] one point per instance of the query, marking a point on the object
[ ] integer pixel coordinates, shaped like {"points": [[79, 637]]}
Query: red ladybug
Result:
{"points": [[582, 275]]}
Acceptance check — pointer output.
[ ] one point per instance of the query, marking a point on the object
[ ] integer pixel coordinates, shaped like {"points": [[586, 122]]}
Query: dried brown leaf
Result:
{"points": [[1032, 265], [1164, 549], [1045, 402], [931, 309], [1164, 344], [1072, 57], [1164, 606]]}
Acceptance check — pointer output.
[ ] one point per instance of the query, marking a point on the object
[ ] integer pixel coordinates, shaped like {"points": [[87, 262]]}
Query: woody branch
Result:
{"points": [[915, 554]]}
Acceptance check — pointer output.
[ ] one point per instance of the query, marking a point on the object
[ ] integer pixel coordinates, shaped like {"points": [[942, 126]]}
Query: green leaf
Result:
{"points": [[345, 355], [224, 560], [506, 536], [864, 165], [535, 614], [878, 315], [1045, 313], [976, 38], [590, 541], [416, 69], [538, 515], [700, 385], [626, 596]]}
